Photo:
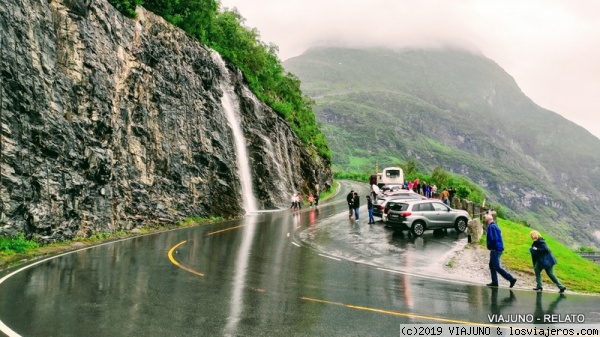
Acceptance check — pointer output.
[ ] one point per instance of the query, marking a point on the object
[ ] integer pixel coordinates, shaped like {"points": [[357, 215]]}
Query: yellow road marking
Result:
{"points": [[170, 254], [403, 314], [224, 230], [177, 263]]}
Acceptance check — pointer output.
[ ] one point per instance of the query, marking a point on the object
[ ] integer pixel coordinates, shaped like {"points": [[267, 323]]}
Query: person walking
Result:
{"points": [[316, 196], [311, 199], [542, 259], [496, 247], [299, 200], [356, 205], [350, 200], [445, 196], [370, 210]]}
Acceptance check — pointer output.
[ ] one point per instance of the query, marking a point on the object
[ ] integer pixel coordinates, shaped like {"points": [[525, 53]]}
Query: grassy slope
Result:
{"points": [[575, 272]]}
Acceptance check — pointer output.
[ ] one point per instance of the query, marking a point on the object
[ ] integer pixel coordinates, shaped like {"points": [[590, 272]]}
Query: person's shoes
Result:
{"points": [[492, 284], [512, 283], [538, 288], [562, 290]]}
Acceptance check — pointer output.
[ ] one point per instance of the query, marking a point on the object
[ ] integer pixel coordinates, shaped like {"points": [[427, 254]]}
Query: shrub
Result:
{"points": [[16, 244], [584, 249]]}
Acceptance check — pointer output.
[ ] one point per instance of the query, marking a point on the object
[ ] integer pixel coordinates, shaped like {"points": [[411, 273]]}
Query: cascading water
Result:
{"points": [[231, 108], [275, 155]]}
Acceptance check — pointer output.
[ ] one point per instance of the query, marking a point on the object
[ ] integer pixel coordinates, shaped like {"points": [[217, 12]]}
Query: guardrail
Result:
{"points": [[594, 256]]}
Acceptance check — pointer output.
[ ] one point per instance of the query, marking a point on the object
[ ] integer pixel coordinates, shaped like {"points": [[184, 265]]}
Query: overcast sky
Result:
{"points": [[550, 47]]}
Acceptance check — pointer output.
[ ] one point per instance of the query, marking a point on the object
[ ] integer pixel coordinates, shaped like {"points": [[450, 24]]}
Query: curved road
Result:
{"points": [[290, 273]]}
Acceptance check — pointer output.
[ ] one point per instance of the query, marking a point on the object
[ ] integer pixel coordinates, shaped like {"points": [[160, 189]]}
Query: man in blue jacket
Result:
{"points": [[496, 247]]}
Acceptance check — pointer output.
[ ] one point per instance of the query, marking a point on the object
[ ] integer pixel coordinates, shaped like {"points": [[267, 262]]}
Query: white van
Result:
{"points": [[392, 176]]}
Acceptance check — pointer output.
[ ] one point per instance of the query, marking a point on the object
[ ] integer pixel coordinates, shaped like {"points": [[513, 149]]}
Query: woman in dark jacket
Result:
{"points": [[543, 259]]}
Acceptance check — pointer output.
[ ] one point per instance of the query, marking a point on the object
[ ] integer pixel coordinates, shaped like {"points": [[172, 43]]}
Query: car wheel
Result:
{"points": [[460, 225], [418, 228]]}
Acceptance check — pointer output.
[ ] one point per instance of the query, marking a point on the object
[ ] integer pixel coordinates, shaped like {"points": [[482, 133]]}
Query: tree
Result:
{"points": [[410, 168], [440, 176]]}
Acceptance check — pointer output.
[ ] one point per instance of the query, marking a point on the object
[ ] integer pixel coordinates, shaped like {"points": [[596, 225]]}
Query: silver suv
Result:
{"points": [[379, 205], [421, 215]]}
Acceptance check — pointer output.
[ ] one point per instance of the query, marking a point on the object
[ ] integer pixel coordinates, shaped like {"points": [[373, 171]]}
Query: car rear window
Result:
{"points": [[398, 206]]}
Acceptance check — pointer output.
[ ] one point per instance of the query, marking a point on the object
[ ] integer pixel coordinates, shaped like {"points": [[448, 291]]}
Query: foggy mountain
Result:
{"points": [[462, 112]]}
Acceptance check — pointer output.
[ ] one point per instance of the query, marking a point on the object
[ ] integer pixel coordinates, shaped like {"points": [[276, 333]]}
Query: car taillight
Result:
{"points": [[405, 214], [382, 207]]}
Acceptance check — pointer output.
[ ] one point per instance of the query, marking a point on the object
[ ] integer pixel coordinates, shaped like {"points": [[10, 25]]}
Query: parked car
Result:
{"points": [[380, 203], [421, 215], [391, 189]]}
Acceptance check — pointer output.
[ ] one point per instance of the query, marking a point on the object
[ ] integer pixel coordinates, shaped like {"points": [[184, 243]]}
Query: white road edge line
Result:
{"points": [[330, 257], [295, 244], [425, 277]]}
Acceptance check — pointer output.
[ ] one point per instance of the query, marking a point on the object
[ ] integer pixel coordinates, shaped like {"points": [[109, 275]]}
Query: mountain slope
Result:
{"points": [[463, 112]]}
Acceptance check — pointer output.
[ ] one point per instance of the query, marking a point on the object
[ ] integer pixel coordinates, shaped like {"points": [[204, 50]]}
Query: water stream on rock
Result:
{"points": [[231, 105]]}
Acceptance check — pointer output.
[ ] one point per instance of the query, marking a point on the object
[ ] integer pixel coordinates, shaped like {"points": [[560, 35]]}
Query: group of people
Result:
{"points": [[297, 201], [430, 191], [354, 206], [541, 257]]}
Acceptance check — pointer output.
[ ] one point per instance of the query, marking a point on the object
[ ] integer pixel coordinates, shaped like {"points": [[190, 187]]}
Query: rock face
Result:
{"points": [[109, 123]]}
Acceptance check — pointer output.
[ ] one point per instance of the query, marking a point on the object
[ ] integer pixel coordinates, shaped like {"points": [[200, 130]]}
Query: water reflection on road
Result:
{"points": [[239, 276], [289, 273], [379, 246]]}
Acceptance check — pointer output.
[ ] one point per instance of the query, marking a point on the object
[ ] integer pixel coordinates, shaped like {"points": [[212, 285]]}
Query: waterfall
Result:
{"points": [[231, 109], [277, 159]]}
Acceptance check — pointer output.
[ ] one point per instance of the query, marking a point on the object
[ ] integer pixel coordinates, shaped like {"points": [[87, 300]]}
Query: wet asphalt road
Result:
{"points": [[291, 273]]}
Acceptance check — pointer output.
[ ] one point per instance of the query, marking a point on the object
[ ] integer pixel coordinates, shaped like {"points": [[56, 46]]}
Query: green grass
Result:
{"points": [[329, 193], [575, 272], [196, 220], [10, 245]]}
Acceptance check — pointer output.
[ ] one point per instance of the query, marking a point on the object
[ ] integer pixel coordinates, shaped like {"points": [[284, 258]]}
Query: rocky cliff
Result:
{"points": [[109, 123]]}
